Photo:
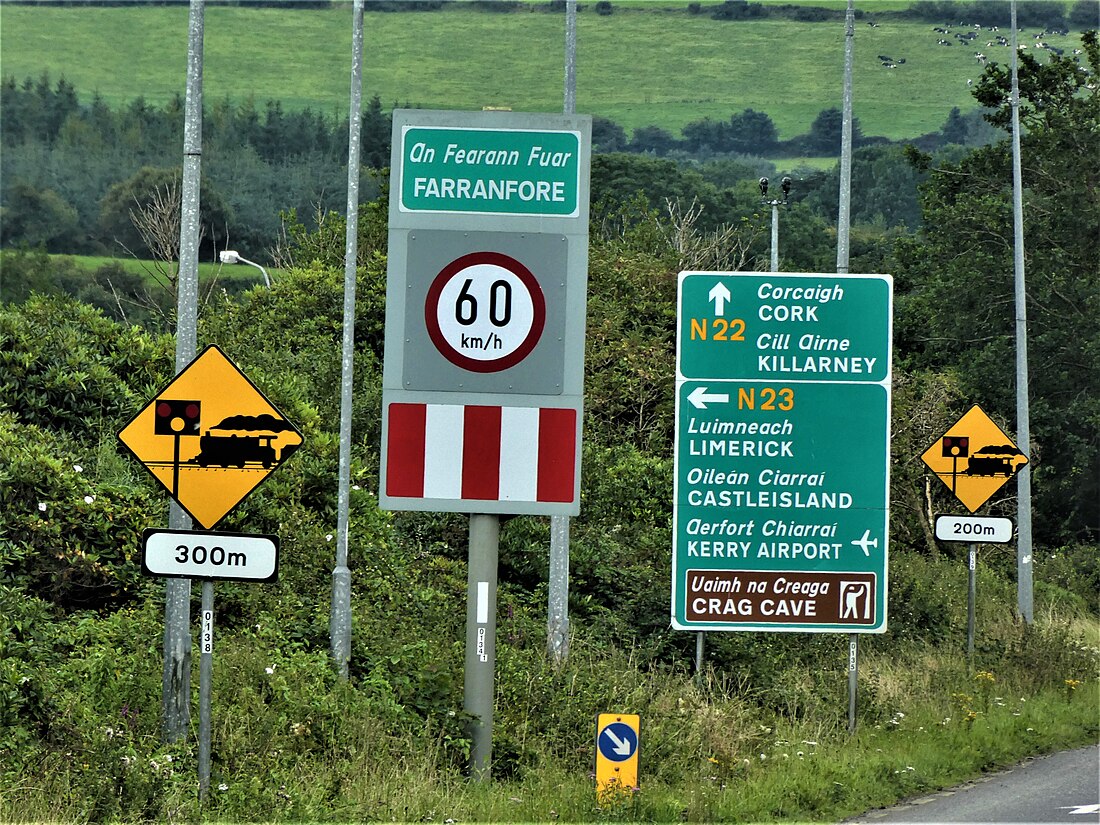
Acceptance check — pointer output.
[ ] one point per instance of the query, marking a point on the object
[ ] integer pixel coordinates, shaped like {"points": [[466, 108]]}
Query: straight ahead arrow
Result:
{"points": [[719, 293]]}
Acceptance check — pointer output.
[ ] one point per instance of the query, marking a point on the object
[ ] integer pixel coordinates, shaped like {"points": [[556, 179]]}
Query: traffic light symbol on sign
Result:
{"points": [[176, 417], [956, 446]]}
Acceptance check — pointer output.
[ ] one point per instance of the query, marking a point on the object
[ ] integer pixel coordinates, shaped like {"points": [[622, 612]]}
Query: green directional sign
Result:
{"points": [[782, 474], [490, 171], [785, 327]]}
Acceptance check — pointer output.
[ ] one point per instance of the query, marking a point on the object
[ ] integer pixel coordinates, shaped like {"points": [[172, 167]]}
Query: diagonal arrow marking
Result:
{"points": [[1081, 809], [622, 746]]}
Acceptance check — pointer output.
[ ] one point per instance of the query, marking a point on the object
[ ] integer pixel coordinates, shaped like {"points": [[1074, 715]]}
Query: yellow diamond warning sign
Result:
{"points": [[210, 437], [974, 458]]}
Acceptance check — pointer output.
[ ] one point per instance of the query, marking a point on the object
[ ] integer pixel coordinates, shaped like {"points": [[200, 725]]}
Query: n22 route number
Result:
{"points": [[720, 329]]}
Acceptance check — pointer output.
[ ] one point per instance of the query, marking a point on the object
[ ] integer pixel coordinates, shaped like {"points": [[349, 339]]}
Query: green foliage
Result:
{"points": [[956, 295], [758, 734], [67, 367], [37, 218], [136, 193]]}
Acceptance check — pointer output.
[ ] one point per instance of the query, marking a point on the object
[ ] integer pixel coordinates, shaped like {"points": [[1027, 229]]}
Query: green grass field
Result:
{"points": [[645, 64]]}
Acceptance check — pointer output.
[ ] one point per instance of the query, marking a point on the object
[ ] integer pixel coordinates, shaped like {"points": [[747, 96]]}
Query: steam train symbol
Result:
{"points": [[229, 449], [995, 460]]}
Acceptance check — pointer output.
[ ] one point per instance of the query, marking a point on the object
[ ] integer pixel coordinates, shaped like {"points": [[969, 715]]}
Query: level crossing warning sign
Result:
{"points": [[210, 437], [974, 458]]}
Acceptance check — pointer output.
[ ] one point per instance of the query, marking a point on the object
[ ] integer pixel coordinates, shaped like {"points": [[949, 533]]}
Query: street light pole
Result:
{"points": [[228, 256], [775, 203]]}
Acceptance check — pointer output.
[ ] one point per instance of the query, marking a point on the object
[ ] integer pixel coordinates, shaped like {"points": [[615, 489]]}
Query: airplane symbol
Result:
{"points": [[866, 542]]}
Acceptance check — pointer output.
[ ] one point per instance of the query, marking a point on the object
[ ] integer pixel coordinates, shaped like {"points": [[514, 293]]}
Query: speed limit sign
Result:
{"points": [[486, 282], [485, 312]]}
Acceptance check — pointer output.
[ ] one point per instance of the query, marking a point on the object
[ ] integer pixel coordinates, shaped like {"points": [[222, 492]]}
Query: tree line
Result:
{"points": [[74, 172]]}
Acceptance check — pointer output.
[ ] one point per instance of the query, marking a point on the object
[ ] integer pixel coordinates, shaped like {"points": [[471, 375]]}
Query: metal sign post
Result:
{"points": [[481, 628], [482, 383], [969, 528], [972, 596], [340, 610], [209, 556], [206, 672], [176, 698]]}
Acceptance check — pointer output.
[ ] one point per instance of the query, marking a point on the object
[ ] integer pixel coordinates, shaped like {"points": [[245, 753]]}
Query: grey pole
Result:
{"points": [[570, 57], [176, 693], [557, 632], [340, 618], [1024, 593], [843, 226], [972, 597], [206, 671], [775, 236], [557, 614], [700, 642], [481, 632], [853, 679]]}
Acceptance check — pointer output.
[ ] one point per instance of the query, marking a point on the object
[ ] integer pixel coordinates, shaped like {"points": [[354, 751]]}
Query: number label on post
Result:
{"points": [[207, 631]]}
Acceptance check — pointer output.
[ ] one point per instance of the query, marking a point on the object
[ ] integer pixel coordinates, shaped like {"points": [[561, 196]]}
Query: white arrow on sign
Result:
{"points": [[700, 398], [719, 293], [622, 746]]}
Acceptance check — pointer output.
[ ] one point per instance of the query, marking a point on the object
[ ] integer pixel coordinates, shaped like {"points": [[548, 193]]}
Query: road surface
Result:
{"points": [[1063, 787]]}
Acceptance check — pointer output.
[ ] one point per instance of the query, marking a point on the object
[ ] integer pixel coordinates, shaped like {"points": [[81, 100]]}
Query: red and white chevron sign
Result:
{"points": [[481, 453]]}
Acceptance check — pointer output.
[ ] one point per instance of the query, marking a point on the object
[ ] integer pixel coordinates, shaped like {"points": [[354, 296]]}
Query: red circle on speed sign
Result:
{"points": [[485, 312]]}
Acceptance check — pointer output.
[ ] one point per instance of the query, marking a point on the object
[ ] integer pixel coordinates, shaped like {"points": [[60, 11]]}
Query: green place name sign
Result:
{"points": [[785, 327], [490, 171]]}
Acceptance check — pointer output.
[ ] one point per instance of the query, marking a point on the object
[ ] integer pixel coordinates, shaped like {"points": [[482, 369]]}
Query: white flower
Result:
{"points": [[42, 507], [328, 537], [223, 787], [78, 468], [269, 670], [357, 487], [89, 499]]}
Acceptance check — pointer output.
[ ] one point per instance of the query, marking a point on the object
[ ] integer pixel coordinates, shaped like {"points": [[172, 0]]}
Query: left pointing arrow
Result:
{"points": [[700, 398]]}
